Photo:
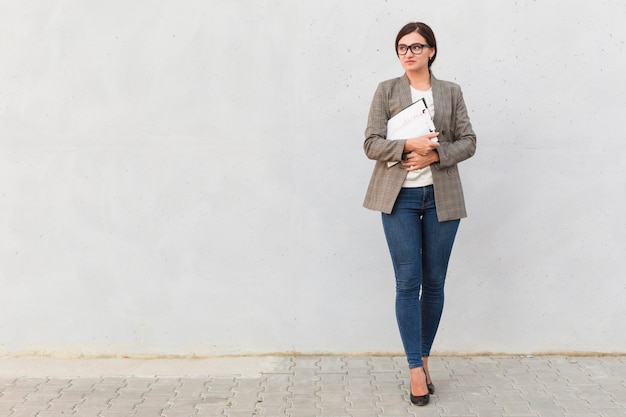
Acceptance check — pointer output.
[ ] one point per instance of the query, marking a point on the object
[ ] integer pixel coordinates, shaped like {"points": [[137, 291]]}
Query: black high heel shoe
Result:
{"points": [[421, 400]]}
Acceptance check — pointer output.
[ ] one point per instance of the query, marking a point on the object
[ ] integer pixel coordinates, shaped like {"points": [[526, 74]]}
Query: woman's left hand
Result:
{"points": [[415, 161]]}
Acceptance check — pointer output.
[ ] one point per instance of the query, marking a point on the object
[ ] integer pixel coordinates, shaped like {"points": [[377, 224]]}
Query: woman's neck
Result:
{"points": [[419, 80]]}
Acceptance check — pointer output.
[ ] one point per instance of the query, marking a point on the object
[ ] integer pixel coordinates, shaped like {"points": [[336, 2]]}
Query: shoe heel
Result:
{"points": [[431, 388]]}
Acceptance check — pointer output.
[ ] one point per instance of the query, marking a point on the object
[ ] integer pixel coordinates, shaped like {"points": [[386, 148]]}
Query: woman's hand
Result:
{"points": [[416, 161], [422, 145]]}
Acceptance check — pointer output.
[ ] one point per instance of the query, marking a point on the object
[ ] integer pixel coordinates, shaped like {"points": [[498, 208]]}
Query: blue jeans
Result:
{"points": [[420, 248]]}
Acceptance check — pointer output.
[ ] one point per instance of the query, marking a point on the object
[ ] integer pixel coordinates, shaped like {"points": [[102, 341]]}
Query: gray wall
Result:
{"points": [[186, 178]]}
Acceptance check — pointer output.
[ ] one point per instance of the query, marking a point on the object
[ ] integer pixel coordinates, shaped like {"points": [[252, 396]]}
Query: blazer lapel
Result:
{"points": [[405, 92], [438, 101]]}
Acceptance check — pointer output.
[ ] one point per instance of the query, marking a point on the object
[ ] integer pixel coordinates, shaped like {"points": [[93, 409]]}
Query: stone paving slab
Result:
{"points": [[308, 386]]}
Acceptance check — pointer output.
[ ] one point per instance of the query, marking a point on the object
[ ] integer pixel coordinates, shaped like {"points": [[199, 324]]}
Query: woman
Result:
{"points": [[416, 186]]}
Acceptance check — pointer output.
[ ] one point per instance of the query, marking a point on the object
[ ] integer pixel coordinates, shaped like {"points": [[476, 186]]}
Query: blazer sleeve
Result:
{"points": [[463, 143], [376, 145]]}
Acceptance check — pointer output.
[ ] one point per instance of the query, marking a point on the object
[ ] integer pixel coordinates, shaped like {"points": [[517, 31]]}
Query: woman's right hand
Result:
{"points": [[423, 144]]}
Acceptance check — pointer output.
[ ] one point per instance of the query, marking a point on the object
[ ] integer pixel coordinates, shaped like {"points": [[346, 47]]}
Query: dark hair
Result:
{"points": [[424, 30]]}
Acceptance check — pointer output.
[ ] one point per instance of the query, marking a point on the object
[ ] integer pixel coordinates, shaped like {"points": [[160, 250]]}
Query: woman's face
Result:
{"points": [[410, 61]]}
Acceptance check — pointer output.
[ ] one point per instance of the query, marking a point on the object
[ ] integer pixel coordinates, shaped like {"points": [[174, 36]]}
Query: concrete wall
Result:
{"points": [[186, 178]]}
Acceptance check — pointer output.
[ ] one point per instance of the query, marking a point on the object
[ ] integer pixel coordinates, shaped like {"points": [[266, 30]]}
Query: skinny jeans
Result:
{"points": [[420, 248]]}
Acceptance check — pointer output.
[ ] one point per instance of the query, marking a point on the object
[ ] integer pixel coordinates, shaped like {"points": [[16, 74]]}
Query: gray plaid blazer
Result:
{"points": [[456, 137]]}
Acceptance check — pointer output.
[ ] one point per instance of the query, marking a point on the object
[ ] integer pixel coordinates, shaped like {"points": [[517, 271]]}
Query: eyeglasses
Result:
{"points": [[416, 48]]}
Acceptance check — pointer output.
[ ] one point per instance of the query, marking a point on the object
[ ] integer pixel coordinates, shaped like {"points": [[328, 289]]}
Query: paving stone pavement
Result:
{"points": [[334, 386]]}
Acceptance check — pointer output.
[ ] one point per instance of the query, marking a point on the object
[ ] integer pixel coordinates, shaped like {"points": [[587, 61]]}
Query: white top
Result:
{"points": [[421, 177]]}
